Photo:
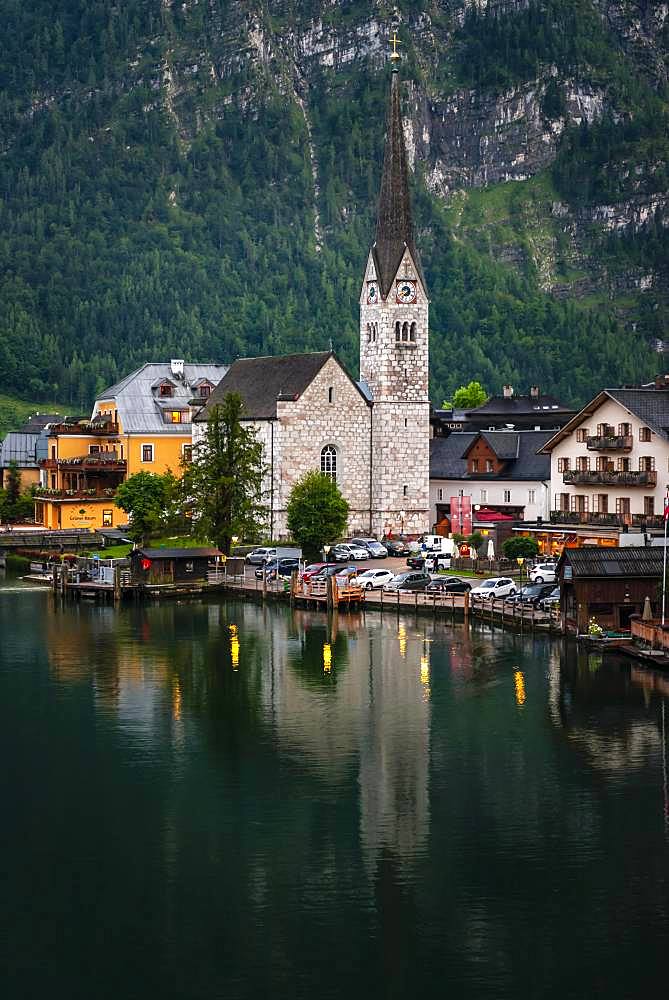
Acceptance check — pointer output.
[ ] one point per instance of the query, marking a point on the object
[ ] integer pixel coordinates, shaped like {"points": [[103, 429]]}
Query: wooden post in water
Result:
{"points": [[117, 584], [54, 577], [264, 584], [293, 587]]}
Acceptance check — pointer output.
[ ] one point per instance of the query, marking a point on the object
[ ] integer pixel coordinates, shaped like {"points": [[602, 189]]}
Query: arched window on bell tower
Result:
{"points": [[329, 462], [412, 333]]}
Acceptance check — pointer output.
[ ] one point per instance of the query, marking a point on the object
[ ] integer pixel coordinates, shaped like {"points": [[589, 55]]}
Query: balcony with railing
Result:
{"points": [[645, 522], [99, 461], [101, 428], [596, 477], [97, 492], [610, 442]]}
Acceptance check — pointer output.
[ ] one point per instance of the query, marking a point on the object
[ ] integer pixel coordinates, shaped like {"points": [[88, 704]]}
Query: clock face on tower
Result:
{"points": [[372, 292], [406, 291]]}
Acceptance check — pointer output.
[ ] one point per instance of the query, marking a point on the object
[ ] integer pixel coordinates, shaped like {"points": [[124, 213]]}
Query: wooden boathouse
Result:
{"points": [[166, 567]]}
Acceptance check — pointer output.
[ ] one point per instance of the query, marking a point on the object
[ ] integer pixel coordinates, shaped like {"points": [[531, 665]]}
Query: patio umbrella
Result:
{"points": [[491, 549], [647, 613]]}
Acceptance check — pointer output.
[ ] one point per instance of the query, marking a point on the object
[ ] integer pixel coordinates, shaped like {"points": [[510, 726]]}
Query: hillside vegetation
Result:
{"points": [[199, 180]]}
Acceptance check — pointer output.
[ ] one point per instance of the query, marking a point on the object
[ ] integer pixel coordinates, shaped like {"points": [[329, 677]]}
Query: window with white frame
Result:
{"points": [[329, 462], [440, 494], [531, 496], [147, 452], [484, 496], [507, 496]]}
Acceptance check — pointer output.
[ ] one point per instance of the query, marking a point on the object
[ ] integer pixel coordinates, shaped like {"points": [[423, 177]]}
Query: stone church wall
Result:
{"points": [[310, 423]]}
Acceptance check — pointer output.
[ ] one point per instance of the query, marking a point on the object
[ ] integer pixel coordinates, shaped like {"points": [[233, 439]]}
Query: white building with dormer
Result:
{"points": [[371, 435]]}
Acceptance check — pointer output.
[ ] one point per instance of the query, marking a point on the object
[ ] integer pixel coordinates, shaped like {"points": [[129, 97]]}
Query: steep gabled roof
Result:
{"points": [[629, 561], [20, 448], [140, 410], [448, 455], [649, 405], [394, 227], [261, 382]]}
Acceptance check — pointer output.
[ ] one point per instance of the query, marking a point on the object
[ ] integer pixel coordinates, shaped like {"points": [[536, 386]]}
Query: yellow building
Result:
{"points": [[141, 424]]}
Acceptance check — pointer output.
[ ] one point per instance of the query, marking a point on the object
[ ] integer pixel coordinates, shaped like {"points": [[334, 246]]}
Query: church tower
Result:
{"points": [[394, 354]]}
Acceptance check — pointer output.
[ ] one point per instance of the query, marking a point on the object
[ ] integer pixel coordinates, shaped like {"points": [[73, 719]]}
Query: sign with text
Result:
{"points": [[461, 515]]}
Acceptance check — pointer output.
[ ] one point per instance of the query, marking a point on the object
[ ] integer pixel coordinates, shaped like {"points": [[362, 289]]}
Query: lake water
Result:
{"points": [[204, 800]]}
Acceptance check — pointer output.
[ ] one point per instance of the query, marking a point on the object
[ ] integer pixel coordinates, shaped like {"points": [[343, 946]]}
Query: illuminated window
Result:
{"points": [[107, 518], [329, 462], [175, 416], [147, 452]]}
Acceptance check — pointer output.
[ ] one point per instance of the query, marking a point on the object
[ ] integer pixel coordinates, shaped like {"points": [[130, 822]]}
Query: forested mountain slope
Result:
{"points": [[199, 179]]}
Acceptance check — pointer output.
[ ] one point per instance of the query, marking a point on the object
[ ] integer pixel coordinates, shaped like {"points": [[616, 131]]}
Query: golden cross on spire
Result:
{"points": [[395, 41]]}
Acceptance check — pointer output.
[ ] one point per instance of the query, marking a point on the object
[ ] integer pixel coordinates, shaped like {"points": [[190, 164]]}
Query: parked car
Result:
{"points": [[342, 576], [344, 551], [449, 585], [532, 593], [278, 567], [328, 569], [543, 573], [375, 549], [496, 586], [395, 547], [256, 557], [434, 561], [551, 602], [412, 580], [373, 579], [313, 568], [416, 562]]}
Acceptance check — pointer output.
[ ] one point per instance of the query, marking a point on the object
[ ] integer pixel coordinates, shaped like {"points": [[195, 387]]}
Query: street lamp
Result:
{"points": [[403, 514], [520, 560], [326, 551]]}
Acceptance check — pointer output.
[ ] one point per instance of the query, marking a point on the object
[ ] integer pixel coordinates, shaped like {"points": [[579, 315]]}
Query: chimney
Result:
{"points": [[534, 392], [662, 381], [177, 367], [508, 391]]}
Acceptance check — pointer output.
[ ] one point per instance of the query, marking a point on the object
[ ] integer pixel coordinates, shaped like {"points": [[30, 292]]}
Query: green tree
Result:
{"points": [[13, 486], [223, 482], [467, 397], [317, 512], [145, 497], [520, 547]]}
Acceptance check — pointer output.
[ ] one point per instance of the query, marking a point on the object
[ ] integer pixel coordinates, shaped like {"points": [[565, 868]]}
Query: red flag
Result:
{"points": [[666, 507]]}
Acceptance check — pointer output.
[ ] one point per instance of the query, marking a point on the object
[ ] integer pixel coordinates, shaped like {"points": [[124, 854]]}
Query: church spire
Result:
{"points": [[394, 227]]}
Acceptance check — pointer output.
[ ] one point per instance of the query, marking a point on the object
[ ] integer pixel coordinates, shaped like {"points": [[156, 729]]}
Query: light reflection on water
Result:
{"points": [[251, 800]]}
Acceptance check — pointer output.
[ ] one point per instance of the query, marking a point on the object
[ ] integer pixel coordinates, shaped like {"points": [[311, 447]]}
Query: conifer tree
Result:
{"points": [[223, 484]]}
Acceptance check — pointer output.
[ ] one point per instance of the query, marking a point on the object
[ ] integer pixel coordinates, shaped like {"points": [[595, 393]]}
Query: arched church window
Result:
{"points": [[398, 330], [405, 332], [329, 462], [331, 395], [412, 333], [369, 333]]}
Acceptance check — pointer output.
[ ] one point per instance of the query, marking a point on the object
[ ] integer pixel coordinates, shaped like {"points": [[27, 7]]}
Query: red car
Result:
{"points": [[313, 568]]}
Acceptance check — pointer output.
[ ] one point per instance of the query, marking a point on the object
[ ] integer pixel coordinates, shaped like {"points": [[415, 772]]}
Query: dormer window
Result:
{"points": [[205, 389], [166, 389]]}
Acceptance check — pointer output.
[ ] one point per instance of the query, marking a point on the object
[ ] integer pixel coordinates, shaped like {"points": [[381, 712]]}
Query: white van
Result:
{"points": [[439, 543]]}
